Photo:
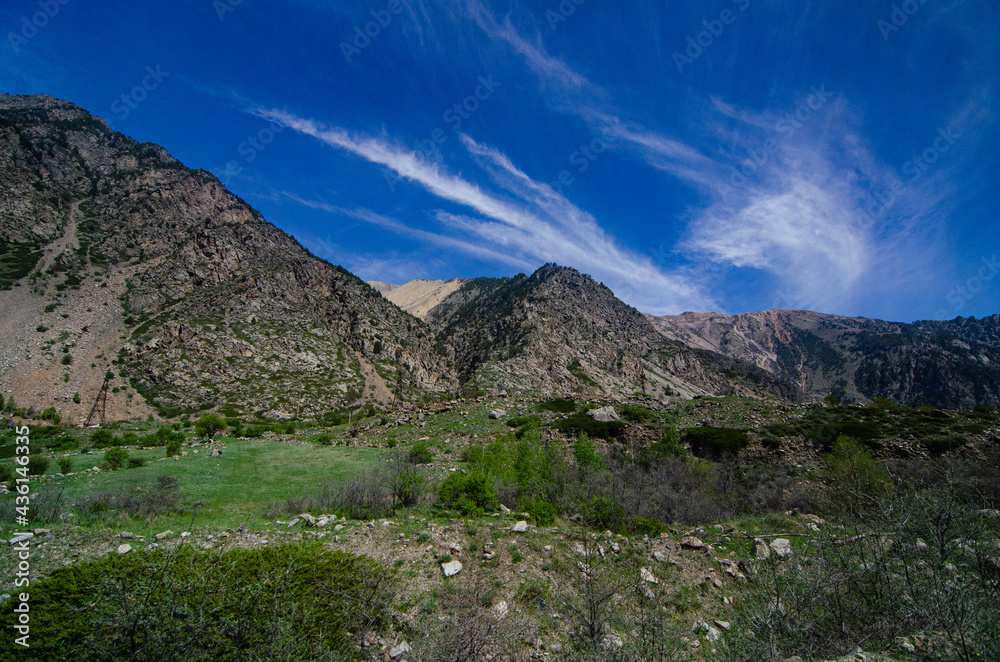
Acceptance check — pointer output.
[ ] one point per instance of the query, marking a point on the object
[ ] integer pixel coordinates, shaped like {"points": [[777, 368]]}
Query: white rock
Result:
{"points": [[124, 548], [451, 568], [647, 576], [782, 547], [501, 609], [402, 649], [604, 414], [520, 527]]}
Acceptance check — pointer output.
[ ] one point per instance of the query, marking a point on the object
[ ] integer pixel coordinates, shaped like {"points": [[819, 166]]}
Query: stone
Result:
{"points": [[659, 557], [21, 538], [40, 532], [163, 534], [690, 542], [548, 552], [451, 568], [782, 547], [501, 609], [497, 414], [398, 651], [216, 452], [646, 575], [124, 548], [520, 527], [604, 414], [504, 509], [294, 522], [725, 625], [761, 550]]}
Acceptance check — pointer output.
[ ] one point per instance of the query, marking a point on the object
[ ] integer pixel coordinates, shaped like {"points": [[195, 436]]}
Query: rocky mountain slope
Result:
{"points": [[951, 364], [113, 255], [558, 331], [418, 297]]}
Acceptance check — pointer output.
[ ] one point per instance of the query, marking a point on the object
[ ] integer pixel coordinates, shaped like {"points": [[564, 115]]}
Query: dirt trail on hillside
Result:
{"points": [[376, 390]]}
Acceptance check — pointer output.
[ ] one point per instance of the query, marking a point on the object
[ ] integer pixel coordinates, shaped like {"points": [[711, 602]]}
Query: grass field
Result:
{"points": [[234, 488]]}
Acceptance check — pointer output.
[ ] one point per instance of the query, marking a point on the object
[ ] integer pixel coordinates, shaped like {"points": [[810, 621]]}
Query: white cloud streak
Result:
{"points": [[542, 226]]}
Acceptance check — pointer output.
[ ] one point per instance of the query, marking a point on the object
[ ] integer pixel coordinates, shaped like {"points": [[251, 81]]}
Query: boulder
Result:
{"points": [[520, 527], [124, 548], [497, 414], [691, 542], [646, 575], [451, 568], [761, 550], [782, 547], [604, 414], [398, 651]]}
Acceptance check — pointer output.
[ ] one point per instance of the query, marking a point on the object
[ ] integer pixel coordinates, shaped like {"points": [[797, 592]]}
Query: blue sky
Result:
{"points": [[730, 156]]}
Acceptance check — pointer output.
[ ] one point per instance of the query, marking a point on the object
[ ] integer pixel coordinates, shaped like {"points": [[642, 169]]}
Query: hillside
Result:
{"points": [[950, 364], [418, 297], [558, 331], [116, 256]]}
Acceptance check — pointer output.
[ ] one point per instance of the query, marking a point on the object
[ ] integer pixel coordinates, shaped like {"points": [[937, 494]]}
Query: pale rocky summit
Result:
{"points": [[419, 297]]}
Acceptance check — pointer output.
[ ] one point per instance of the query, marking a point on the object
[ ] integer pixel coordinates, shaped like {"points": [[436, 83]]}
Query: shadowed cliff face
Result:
{"points": [[950, 364], [216, 306]]}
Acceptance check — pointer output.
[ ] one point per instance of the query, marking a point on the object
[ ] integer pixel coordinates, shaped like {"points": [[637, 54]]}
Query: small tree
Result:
{"points": [[65, 465], [116, 457], [38, 464], [209, 425]]}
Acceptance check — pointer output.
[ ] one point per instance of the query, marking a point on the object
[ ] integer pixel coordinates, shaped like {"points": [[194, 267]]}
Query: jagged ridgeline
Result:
{"points": [[559, 331], [139, 264]]}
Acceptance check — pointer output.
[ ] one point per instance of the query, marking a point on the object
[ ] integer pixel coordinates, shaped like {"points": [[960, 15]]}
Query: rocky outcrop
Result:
{"points": [[217, 308], [950, 364]]}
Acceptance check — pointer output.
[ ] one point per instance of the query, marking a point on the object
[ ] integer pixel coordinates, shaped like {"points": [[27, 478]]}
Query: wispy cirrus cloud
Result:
{"points": [[536, 225]]}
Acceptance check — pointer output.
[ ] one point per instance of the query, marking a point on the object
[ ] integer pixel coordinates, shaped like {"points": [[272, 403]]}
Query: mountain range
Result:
{"points": [[116, 258]]}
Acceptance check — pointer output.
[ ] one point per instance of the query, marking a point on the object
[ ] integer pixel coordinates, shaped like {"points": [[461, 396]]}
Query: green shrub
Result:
{"points": [[543, 512], [209, 425], [255, 431], [6, 472], [420, 454], [646, 526], [325, 439], [469, 494], [521, 421], [103, 439], [116, 457], [668, 447], [38, 465], [65, 465], [136, 462], [585, 454], [287, 603], [709, 442], [173, 447], [67, 359], [559, 405], [582, 423], [856, 481], [603, 513], [407, 485]]}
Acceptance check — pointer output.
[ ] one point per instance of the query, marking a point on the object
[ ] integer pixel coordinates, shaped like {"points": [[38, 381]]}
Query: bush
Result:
{"points": [[716, 443], [420, 454], [38, 465], [559, 405], [173, 447], [6, 472], [255, 431], [857, 482], [103, 439], [407, 485], [325, 439], [210, 425], [278, 603], [65, 465], [582, 423], [603, 513], [585, 454], [469, 494], [646, 526], [115, 457], [135, 462], [541, 510]]}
